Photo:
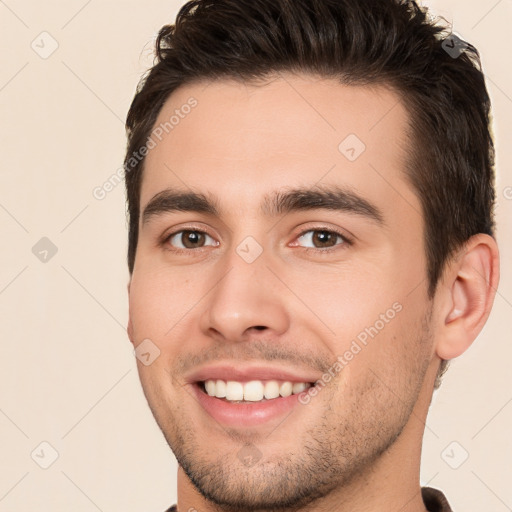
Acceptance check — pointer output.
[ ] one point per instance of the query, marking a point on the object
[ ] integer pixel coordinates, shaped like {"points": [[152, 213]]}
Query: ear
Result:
{"points": [[129, 327], [467, 293]]}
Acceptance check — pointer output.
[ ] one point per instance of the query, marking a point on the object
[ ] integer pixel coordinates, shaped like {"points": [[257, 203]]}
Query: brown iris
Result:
{"points": [[191, 239]]}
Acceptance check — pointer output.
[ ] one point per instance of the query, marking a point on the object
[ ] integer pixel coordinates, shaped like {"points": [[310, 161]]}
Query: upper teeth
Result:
{"points": [[254, 390]]}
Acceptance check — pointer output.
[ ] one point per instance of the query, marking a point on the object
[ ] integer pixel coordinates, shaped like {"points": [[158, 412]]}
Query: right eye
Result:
{"points": [[189, 239]]}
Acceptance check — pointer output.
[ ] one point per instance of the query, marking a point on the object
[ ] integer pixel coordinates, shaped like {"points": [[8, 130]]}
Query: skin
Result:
{"points": [[356, 445]]}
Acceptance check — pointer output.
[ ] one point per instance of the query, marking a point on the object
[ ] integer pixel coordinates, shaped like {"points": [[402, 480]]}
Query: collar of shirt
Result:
{"points": [[435, 501]]}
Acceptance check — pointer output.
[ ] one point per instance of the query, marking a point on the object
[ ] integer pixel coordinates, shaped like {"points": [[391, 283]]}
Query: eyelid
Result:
{"points": [[174, 231], [179, 233], [347, 240]]}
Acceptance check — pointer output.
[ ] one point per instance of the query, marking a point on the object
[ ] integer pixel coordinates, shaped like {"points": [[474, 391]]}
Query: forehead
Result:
{"points": [[240, 141]]}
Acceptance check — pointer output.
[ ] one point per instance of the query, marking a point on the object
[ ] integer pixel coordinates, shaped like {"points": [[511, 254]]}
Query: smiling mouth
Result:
{"points": [[251, 391]]}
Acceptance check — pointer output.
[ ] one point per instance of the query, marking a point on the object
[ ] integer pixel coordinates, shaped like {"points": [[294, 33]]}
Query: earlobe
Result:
{"points": [[469, 289]]}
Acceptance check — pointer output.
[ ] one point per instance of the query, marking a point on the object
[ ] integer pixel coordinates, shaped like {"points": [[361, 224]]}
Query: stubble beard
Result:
{"points": [[357, 427]]}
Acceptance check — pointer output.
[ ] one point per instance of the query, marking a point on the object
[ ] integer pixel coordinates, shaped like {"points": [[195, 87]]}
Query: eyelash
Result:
{"points": [[346, 241]]}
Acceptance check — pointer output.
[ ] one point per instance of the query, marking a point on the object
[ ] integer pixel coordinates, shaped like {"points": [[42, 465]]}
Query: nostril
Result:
{"points": [[260, 327]]}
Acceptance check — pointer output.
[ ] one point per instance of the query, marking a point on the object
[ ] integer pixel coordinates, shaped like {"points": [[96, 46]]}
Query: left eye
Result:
{"points": [[319, 238], [189, 239]]}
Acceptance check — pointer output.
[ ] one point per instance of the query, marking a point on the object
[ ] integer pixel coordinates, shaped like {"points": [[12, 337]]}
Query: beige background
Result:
{"points": [[67, 372]]}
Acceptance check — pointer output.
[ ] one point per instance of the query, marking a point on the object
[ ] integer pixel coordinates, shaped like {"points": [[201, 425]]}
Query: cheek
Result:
{"points": [[154, 302], [396, 349], [351, 301], [372, 317]]}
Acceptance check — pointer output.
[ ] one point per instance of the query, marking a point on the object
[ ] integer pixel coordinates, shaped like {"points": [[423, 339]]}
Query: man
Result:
{"points": [[310, 194]]}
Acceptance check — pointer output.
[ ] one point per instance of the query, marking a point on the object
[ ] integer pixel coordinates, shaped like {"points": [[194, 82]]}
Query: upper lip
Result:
{"points": [[238, 372]]}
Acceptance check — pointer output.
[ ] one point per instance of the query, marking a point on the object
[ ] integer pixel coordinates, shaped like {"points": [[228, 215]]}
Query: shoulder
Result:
{"points": [[435, 500]]}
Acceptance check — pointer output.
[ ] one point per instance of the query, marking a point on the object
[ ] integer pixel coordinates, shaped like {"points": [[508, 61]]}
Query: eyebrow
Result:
{"points": [[278, 203]]}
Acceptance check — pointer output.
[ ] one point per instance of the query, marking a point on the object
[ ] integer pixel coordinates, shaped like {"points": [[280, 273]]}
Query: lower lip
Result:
{"points": [[245, 414]]}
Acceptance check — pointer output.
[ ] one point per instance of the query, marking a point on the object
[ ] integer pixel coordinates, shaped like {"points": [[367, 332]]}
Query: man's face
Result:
{"points": [[282, 292]]}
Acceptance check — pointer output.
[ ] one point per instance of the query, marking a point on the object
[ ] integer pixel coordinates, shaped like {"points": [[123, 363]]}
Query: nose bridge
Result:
{"points": [[246, 295]]}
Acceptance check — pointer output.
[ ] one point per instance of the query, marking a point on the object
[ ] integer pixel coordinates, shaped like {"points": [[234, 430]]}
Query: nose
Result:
{"points": [[248, 301]]}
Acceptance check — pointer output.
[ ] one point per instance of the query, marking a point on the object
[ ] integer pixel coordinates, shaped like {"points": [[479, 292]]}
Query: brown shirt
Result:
{"points": [[434, 500]]}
